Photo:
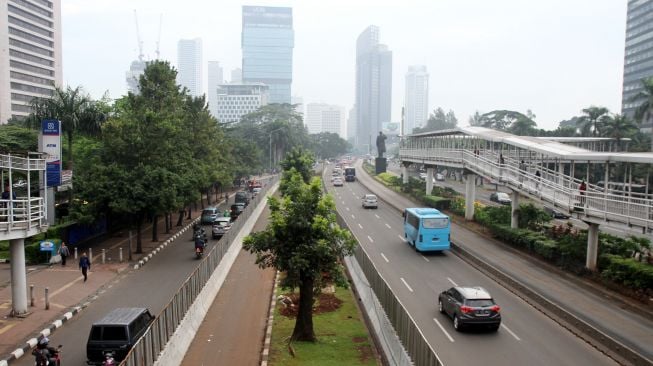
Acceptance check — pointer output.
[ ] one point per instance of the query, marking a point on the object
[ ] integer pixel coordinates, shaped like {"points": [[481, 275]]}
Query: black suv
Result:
{"points": [[116, 333], [470, 306], [236, 210], [242, 197]]}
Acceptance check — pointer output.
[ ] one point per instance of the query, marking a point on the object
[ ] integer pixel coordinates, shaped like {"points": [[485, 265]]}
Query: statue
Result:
{"points": [[380, 143]]}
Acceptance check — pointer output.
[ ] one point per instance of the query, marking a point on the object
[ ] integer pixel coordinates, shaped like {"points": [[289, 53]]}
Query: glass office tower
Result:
{"points": [[267, 43]]}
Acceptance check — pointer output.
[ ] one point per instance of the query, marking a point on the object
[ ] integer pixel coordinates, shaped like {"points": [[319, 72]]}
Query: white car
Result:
{"points": [[439, 177], [370, 201], [337, 182]]}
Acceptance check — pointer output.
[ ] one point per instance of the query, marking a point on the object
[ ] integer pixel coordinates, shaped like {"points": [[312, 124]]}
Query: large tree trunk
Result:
{"points": [[304, 324], [189, 212], [155, 228], [208, 196], [139, 226], [180, 220], [167, 222]]}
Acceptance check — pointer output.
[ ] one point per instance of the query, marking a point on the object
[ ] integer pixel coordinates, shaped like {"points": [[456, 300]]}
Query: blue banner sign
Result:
{"points": [[46, 246]]}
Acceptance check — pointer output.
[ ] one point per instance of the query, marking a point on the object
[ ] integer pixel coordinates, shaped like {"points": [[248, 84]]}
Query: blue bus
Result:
{"points": [[427, 229]]}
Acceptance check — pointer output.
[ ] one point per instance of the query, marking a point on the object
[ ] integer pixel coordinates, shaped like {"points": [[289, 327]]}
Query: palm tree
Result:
{"points": [[644, 111], [618, 127], [77, 112], [523, 127], [591, 122]]}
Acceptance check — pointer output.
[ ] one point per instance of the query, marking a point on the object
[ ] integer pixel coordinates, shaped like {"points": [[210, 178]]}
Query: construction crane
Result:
{"points": [[138, 37], [158, 39]]}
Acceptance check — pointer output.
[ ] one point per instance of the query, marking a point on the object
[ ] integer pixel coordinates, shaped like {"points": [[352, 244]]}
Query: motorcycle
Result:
{"points": [[109, 360], [48, 356], [200, 244]]}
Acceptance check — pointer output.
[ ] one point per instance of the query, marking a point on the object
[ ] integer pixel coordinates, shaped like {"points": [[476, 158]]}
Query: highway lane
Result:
{"points": [[151, 286], [526, 337]]}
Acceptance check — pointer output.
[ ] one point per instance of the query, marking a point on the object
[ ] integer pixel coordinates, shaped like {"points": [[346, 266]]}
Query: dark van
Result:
{"points": [[117, 333], [236, 210], [242, 197]]}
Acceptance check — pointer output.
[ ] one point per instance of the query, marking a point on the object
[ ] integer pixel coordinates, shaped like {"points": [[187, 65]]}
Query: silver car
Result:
{"points": [[370, 201]]}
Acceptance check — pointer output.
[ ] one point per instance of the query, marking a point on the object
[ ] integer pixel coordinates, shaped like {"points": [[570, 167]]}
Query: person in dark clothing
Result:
{"points": [[64, 252], [85, 265]]}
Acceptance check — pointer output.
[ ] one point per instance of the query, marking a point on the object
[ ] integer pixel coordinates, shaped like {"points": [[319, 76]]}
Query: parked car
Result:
{"points": [[439, 176], [209, 215], [236, 210], [220, 227], [555, 213], [500, 197], [337, 182], [116, 332], [370, 201], [470, 306]]}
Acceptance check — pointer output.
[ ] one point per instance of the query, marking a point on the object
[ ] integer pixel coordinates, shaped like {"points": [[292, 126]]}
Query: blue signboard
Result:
{"points": [[46, 246], [50, 127], [53, 173], [51, 146]]}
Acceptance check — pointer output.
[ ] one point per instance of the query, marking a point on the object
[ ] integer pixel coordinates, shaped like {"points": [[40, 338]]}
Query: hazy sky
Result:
{"points": [[554, 57]]}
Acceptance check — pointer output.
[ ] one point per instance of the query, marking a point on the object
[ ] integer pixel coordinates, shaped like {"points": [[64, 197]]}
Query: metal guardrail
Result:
{"points": [[146, 351], [553, 187], [404, 325]]}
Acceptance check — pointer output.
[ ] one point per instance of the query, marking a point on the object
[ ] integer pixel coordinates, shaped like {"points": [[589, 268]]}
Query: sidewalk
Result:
{"points": [[68, 294], [600, 308]]}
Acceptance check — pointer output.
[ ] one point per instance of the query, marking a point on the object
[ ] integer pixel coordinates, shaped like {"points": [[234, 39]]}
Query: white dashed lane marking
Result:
{"points": [[360, 226], [511, 332], [347, 208], [426, 259], [370, 239], [377, 216], [453, 283], [353, 217], [384, 257], [388, 226], [443, 330], [401, 238], [406, 284]]}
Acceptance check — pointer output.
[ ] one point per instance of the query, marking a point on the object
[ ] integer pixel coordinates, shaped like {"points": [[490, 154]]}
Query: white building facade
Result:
{"points": [[136, 69], [322, 117], [189, 64], [417, 98], [30, 54], [215, 79], [237, 100]]}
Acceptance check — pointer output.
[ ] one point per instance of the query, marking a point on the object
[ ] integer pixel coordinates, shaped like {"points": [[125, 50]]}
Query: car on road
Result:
{"points": [[470, 306], [220, 227], [439, 177], [116, 332], [500, 197], [370, 201], [337, 182], [209, 214], [256, 191], [556, 213], [243, 197], [422, 176], [236, 210]]}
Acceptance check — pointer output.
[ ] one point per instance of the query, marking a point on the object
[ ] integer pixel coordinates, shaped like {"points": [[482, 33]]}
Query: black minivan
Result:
{"points": [[116, 333]]}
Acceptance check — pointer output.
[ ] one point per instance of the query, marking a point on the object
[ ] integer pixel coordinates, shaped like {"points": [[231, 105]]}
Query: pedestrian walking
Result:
{"points": [[522, 171], [582, 188], [64, 252], [85, 265], [538, 178]]}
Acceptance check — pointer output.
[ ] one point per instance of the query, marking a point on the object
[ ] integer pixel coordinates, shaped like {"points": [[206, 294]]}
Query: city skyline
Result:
{"points": [[554, 58], [416, 102], [190, 65]]}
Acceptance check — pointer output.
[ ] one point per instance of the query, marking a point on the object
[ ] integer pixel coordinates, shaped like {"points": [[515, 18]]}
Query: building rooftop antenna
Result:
{"points": [[138, 37], [158, 39]]}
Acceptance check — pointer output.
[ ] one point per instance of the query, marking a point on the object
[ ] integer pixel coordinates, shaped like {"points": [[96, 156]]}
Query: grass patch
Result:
{"points": [[342, 338], [4, 250]]}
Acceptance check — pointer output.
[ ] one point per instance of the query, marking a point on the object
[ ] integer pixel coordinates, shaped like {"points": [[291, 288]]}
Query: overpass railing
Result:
{"points": [[554, 187]]}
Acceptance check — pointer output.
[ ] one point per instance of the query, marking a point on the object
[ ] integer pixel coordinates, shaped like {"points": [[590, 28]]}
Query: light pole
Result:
{"points": [[271, 132]]}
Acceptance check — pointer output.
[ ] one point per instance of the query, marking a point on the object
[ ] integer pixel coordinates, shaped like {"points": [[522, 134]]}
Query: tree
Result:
{"points": [[303, 241], [75, 109], [644, 111], [15, 139], [618, 127], [523, 126], [475, 120], [296, 161], [590, 123], [438, 120], [326, 145], [504, 119]]}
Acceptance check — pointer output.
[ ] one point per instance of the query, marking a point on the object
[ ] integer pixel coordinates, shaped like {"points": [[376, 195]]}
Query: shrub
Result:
{"points": [[627, 271], [390, 179], [439, 203], [532, 217], [457, 206]]}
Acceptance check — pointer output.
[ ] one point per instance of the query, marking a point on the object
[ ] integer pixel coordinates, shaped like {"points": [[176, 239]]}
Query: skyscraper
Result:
{"points": [[30, 54], [189, 63], [267, 44], [321, 117], [215, 79], [373, 87], [236, 76], [136, 69], [638, 59], [417, 98]]}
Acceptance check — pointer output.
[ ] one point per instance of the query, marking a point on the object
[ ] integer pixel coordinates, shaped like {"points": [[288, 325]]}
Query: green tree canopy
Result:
{"points": [[505, 119], [439, 120], [644, 111], [591, 121], [327, 145]]}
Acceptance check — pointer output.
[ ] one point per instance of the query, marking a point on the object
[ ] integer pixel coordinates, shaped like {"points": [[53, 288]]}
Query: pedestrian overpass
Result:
{"points": [[548, 169]]}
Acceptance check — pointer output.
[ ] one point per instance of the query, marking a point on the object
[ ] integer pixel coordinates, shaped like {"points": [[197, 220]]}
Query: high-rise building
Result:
{"points": [[236, 76], [237, 100], [267, 44], [638, 59], [417, 98], [189, 63], [298, 102], [322, 117], [30, 54], [215, 79], [351, 124], [373, 87], [136, 69]]}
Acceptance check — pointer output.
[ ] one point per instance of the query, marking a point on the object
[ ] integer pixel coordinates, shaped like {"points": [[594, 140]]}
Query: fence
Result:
{"points": [[146, 351]]}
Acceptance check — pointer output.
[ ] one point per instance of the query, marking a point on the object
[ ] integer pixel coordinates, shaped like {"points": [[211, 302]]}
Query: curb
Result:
{"points": [[265, 354]]}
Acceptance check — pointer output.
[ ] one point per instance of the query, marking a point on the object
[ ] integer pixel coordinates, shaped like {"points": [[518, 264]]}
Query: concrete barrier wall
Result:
{"points": [[176, 348]]}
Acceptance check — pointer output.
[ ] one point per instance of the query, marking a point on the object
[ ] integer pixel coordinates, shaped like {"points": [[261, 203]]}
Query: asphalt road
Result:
{"points": [[152, 286], [527, 337]]}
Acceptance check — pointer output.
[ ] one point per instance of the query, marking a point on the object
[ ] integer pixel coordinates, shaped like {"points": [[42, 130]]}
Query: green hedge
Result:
{"points": [[439, 203], [627, 271]]}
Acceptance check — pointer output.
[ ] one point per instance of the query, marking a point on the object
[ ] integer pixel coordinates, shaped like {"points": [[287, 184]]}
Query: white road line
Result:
{"points": [[360, 226], [353, 194], [370, 239], [450, 280], [388, 226], [406, 283], [347, 208], [442, 329], [343, 202], [377, 216], [401, 238], [384, 257], [353, 217], [426, 259], [511, 332]]}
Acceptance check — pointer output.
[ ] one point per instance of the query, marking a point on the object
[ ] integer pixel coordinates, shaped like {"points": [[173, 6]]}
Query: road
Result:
{"points": [[152, 286], [527, 337]]}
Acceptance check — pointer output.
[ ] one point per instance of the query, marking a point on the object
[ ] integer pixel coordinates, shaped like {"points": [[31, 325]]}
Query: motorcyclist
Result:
{"points": [[43, 353], [200, 243]]}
